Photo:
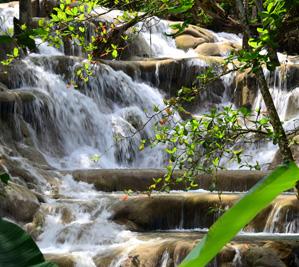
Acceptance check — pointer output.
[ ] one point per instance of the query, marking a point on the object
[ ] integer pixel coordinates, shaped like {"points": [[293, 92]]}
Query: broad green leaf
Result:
{"points": [[232, 221], [17, 248]]}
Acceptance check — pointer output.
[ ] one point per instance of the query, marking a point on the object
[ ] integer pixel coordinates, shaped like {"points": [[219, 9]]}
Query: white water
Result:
{"points": [[7, 13], [85, 123]]}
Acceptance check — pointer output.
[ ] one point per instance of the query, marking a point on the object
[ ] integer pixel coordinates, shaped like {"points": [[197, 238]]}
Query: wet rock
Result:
{"points": [[246, 89], [215, 49], [261, 257], [62, 260], [290, 74], [277, 160], [18, 202], [140, 179], [136, 47], [171, 211], [284, 216], [35, 228], [189, 211], [3, 87], [107, 258], [168, 75], [171, 248], [186, 42], [198, 32], [13, 96], [292, 107]]}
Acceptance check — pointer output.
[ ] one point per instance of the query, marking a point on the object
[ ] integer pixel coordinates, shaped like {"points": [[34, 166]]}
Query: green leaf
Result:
{"points": [[114, 53], [232, 221], [17, 248], [15, 52], [4, 178]]}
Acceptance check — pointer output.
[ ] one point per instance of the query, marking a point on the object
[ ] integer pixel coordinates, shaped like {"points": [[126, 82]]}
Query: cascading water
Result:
{"points": [[90, 127]]}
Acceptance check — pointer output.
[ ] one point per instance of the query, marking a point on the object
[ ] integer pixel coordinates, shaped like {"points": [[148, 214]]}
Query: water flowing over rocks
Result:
{"points": [[191, 211], [71, 159]]}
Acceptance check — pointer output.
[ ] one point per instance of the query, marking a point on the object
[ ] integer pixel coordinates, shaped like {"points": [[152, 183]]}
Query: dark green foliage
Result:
{"points": [[17, 248], [4, 178]]}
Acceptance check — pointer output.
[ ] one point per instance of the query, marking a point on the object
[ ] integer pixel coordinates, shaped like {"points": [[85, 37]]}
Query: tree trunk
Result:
{"points": [[273, 115], [274, 118], [25, 10], [278, 129]]}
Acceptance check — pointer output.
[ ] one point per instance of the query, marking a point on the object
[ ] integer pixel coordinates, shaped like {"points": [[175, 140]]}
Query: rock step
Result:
{"points": [[200, 210], [170, 250], [140, 179]]}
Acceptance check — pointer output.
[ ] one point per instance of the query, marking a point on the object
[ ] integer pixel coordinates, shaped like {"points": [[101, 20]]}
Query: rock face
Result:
{"points": [[14, 96], [191, 211], [63, 260], [246, 89], [171, 250], [186, 42], [140, 180], [215, 49], [18, 202], [277, 160]]}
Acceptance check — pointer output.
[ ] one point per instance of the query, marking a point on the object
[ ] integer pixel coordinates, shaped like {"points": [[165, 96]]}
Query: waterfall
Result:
{"points": [[88, 121], [100, 124]]}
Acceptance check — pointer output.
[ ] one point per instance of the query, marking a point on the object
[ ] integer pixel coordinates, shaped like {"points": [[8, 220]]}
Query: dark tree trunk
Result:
{"points": [[25, 10]]}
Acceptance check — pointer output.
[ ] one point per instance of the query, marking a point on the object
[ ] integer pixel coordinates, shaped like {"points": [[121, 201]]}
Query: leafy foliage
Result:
{"points": [[204, 143], [18, 248]]}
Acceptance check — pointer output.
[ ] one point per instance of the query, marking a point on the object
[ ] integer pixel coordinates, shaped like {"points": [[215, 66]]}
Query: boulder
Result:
{"points": [[186, 41], [198, 32], [261, 257], [18, 202], [136, 47], [35, 228], [215, 49], [62, 260], [246, 89]]}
